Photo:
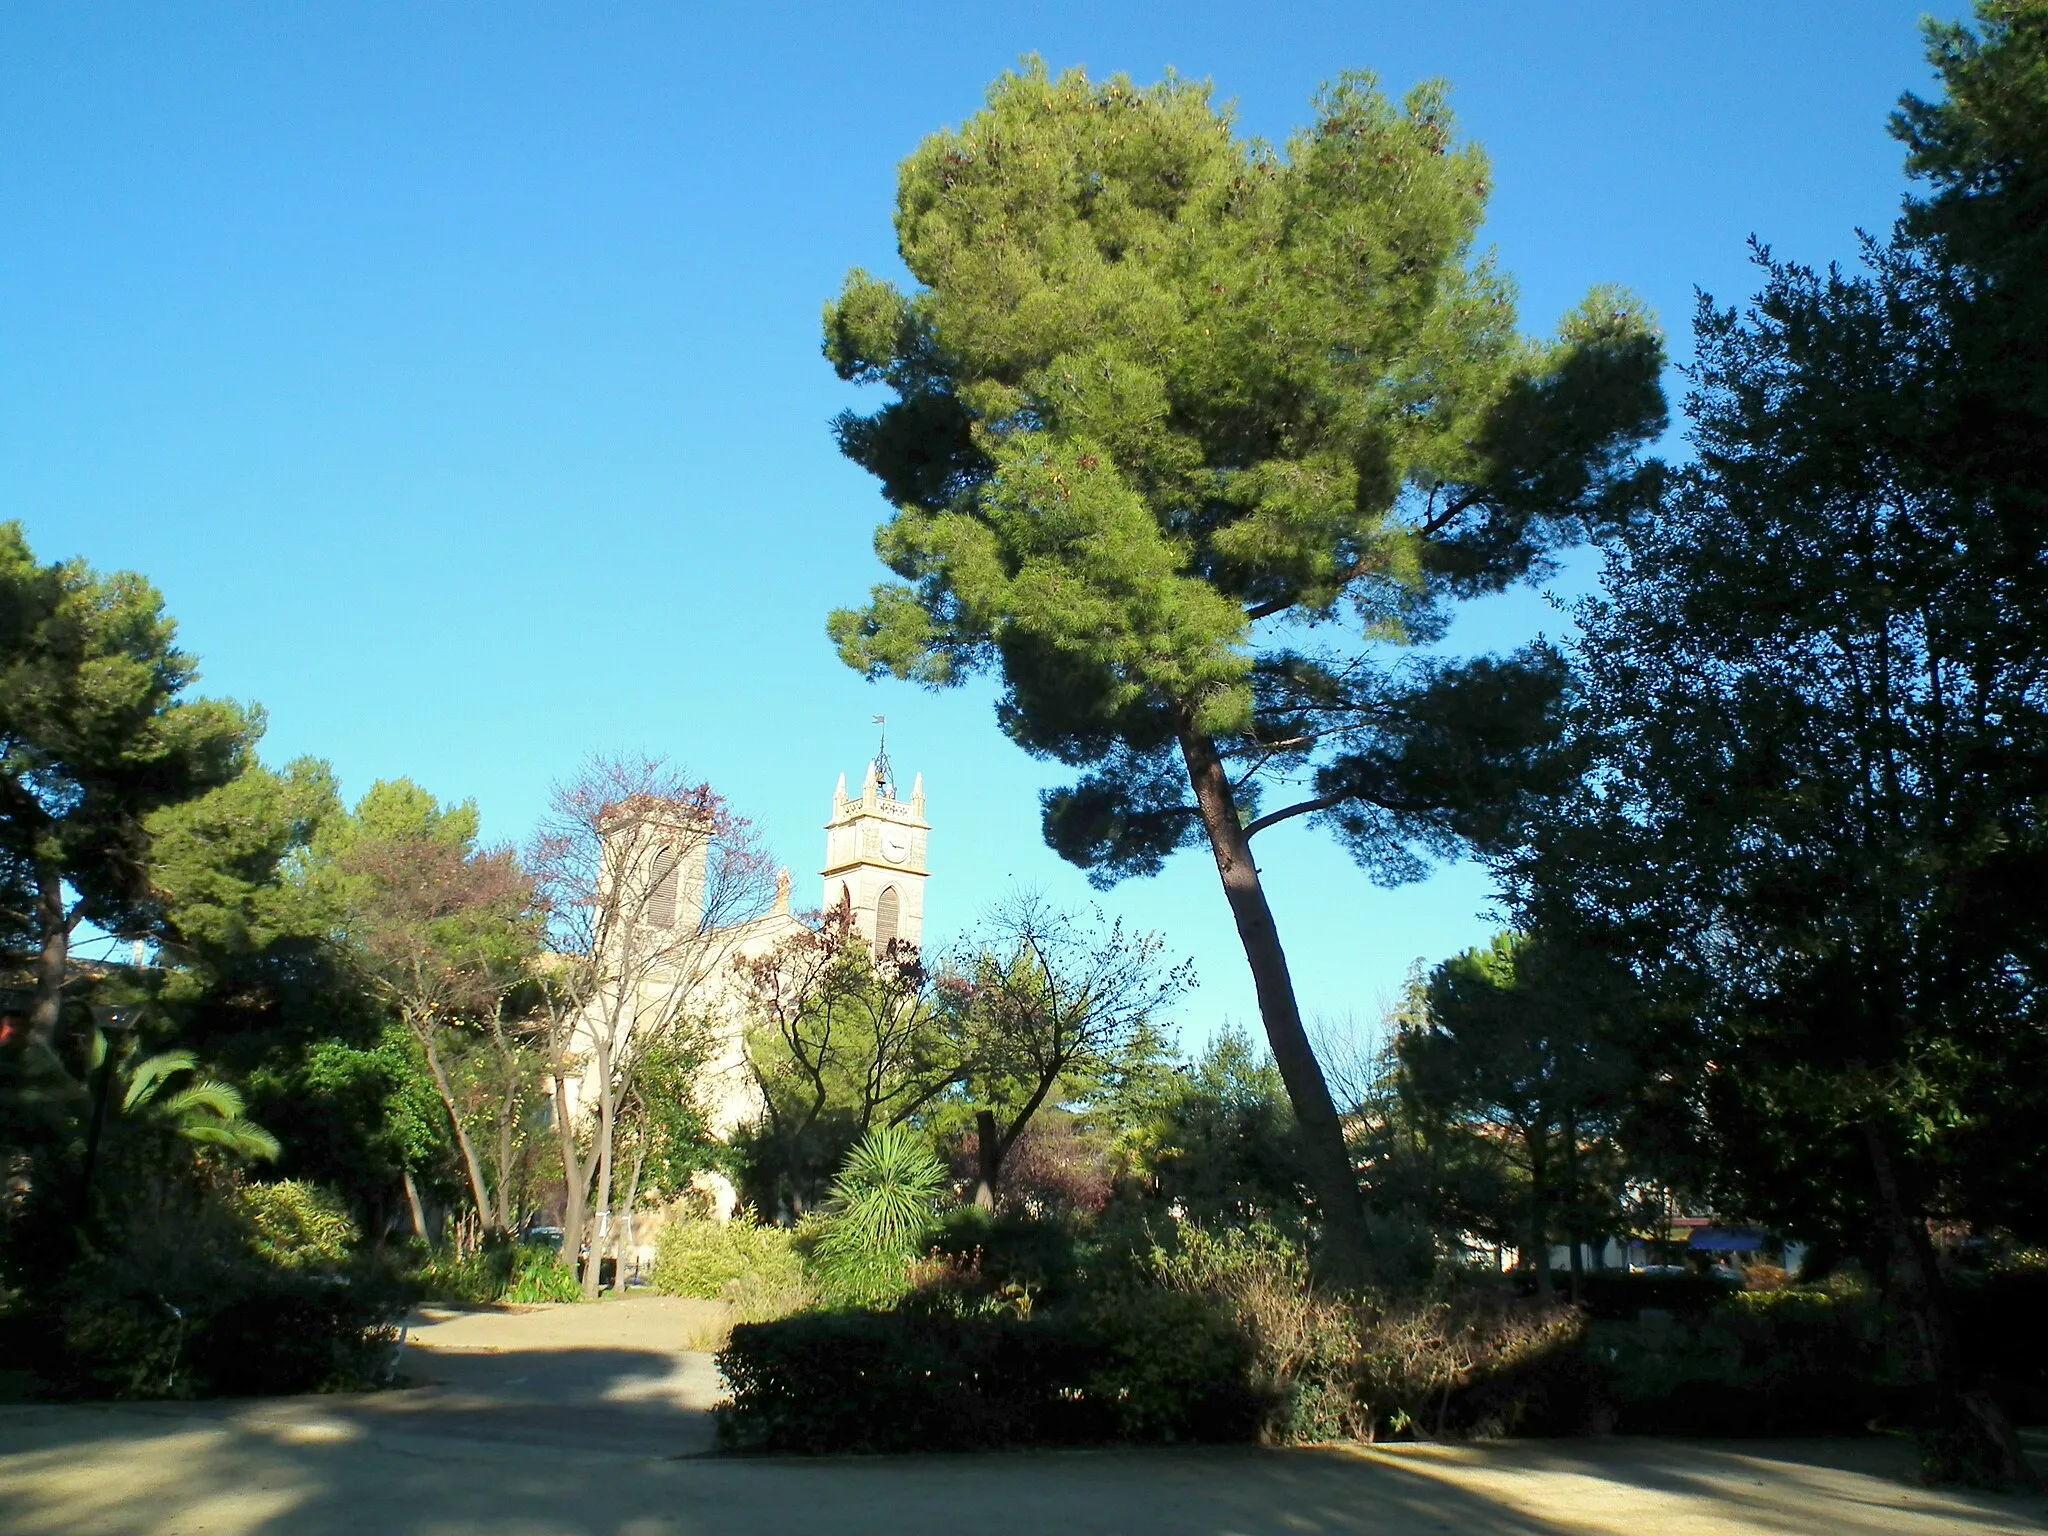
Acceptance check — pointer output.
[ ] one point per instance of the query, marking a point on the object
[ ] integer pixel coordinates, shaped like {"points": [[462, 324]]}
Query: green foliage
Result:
{"points": [[203, 1111], [96, 738], [1170, 1365], [1222, 1139], [756, 1268], [841, 1041], [821, 1383], [499, 1271], [1516, 1063], [194, 1288], [297, 1225], [1157, 383], [883, 1203], [229, 866], [538, 1274], [1153, 1368]]}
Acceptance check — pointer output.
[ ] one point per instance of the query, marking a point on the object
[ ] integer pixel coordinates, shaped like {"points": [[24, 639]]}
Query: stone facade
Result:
{"points": [[875, 863]]}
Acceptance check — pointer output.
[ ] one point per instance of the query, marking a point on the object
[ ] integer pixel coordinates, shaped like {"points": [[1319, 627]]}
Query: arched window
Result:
{"points": [[660, 911], [888, 912]]}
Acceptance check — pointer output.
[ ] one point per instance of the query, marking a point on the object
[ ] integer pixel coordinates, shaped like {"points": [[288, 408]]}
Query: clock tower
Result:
{"points": [[875, 857]]}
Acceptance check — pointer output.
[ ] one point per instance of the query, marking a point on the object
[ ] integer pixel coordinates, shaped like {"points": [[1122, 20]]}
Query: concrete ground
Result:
{"points": [[576, 1420]]}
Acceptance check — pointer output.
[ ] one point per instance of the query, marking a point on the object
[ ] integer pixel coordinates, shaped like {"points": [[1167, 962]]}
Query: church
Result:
{"points": [[670, 952]]}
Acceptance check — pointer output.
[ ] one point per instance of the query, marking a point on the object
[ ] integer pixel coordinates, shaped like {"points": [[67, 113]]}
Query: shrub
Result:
{"points": [[1623, 1298], [1012, 1253], [1171, 1365], [825, 1382], [221, 1329], [756, 1268], [1141, 1366], [883, 1203], [518, 1273], [1479, 1362], [1303, 1344], [297, 1225], [1796, 1361]]}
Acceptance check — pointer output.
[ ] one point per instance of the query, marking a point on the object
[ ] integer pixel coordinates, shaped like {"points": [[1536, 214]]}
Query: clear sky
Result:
{"points": [[453, 368]]}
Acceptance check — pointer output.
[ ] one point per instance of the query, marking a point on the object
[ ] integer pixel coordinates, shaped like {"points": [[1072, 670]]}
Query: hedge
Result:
{"points": [[904, 1381]]}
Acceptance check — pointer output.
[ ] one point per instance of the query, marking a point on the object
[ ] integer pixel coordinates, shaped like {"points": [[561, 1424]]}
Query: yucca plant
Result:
{"points": [[882, 1205]]}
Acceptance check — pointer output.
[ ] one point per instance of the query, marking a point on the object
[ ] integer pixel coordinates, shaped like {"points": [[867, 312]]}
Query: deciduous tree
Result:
{"points": [[442, 931], [1046, 1001], [648, 879]]}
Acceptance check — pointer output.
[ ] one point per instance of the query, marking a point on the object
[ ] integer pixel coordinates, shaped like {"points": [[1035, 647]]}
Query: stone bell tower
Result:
{"points": [[875, 856]]}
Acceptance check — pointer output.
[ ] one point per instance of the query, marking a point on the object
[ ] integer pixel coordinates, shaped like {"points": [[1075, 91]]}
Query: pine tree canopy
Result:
{"points": [[1170, 404]]}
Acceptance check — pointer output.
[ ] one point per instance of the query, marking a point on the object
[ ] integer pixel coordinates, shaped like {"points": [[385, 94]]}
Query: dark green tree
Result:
{"points": [[95, 735], [1817, 702], [1191, 436], [1520, 1048]]}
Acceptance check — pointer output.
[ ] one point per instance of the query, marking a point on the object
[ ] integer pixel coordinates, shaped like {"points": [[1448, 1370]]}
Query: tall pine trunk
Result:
{"points": [[1331, 1176], [53, 958]]}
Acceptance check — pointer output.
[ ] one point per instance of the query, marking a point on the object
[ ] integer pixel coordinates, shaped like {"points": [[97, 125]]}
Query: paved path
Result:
{"points": [[584, 1422]]}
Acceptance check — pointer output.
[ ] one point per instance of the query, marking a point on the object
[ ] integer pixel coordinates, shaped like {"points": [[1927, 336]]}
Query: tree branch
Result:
{"points": [[1305, 808]]}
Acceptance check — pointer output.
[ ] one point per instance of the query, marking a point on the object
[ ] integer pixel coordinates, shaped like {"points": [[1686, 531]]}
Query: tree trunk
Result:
{"points": [[601, 1217], [472, 1165], [1970, 1435], [1539, 1215], [1577, 1263], [508, 1108], [575, 1178], [1331, 1175], [412, 1202], [989, 1159], [626, 1218], [53, 958]]}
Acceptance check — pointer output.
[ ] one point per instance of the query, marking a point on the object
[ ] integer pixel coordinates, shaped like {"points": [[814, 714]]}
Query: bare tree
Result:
{"points": [[1047, 996], [648, 878]]}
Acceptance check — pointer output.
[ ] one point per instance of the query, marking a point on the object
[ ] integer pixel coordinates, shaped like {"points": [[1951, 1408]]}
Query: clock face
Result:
{"points": [[895, 846]]}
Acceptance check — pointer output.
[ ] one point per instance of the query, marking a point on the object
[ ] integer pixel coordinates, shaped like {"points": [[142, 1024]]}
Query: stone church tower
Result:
{"points": [[875, 856]]}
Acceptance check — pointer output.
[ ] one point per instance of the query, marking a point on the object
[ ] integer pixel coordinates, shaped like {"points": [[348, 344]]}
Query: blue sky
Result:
{"points": [[453, 369]]}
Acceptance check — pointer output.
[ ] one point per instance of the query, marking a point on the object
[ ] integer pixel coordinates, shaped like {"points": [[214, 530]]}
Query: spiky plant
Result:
{"points": [[205, 1111], [882, 1205]]}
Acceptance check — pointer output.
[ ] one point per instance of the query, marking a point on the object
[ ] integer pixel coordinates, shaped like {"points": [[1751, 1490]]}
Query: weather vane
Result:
{"points": [[883, 772]]}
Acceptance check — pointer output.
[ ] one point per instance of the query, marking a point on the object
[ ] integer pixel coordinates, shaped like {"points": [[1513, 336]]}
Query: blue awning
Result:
{"points": [[1726, 1240]]}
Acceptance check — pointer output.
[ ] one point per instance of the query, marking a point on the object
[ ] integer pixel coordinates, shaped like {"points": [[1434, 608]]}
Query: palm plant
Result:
{"points": [[205, 1111], [882, 1205]]}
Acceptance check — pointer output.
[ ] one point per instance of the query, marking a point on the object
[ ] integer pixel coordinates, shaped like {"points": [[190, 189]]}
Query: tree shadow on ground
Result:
{"points": [[316, 1466]]}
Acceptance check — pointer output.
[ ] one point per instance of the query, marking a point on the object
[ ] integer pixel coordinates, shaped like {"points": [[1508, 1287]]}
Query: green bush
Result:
{"points": [[756, 1268], [1799, 1361], [1172, 1366], [297, 1225], [863, 1247], [1144, 1366], [518, 1273], [180, 1293], [1302, 1369], [1623, 1298], [1012, 1253]]}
